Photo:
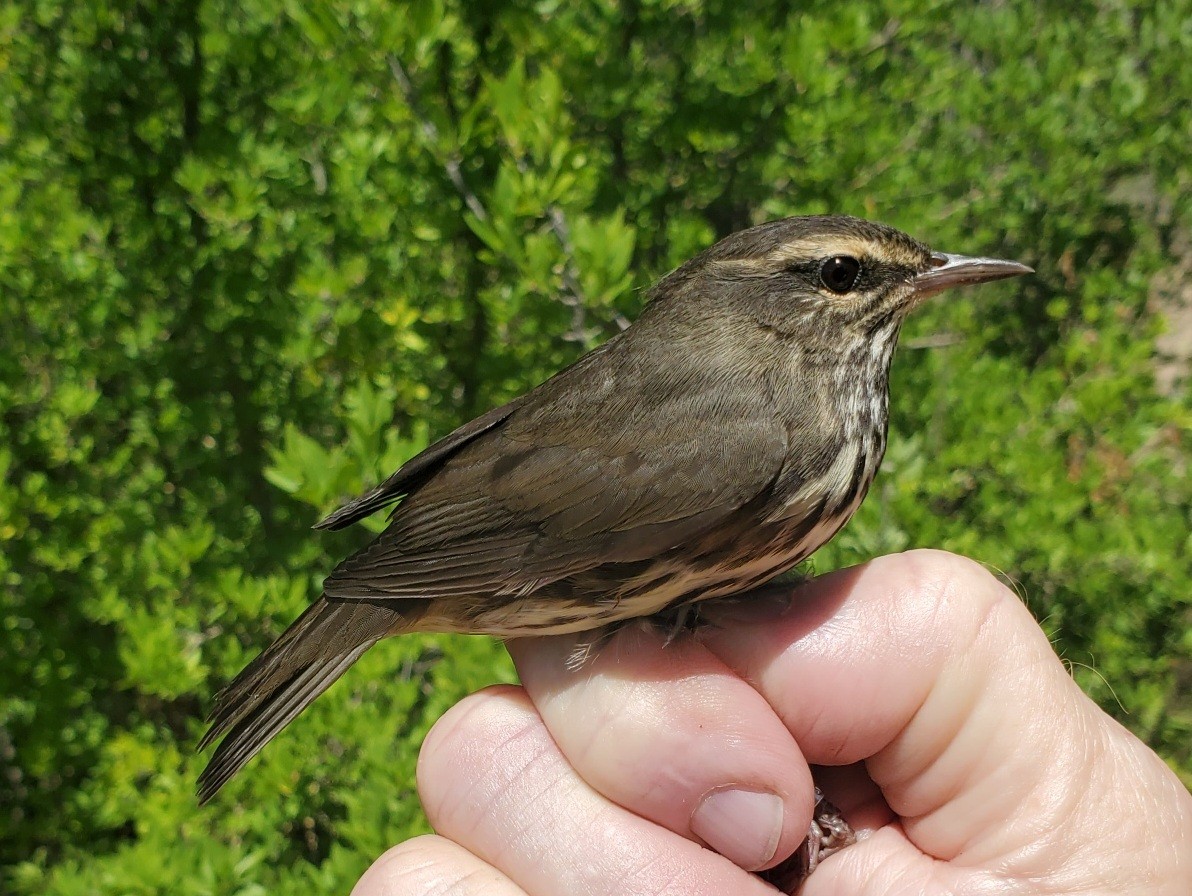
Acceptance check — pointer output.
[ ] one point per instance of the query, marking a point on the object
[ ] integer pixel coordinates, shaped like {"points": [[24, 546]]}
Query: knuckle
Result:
{"points": [[939, 572], [953, 597]]}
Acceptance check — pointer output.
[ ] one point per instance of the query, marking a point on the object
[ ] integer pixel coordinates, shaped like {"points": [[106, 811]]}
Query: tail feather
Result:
{"points": [[254, 730], [310, 637], [286, 678]]}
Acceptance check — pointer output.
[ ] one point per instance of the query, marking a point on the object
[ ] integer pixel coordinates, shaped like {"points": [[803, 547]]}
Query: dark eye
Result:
{"points": [[840, 273]]}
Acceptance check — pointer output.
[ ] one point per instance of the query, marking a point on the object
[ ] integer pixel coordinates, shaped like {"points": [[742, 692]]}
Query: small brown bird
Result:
{"points": [[717, 442]]}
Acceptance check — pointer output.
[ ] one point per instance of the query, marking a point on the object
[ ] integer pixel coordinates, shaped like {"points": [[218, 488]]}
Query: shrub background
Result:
{"points": [[238, 283]]}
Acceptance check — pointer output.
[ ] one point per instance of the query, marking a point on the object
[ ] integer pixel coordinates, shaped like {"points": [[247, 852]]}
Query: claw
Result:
{"points": [[829, 834]]}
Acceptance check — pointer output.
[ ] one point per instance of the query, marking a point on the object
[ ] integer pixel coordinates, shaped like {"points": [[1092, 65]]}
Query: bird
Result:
{"points": [[712, 445]]}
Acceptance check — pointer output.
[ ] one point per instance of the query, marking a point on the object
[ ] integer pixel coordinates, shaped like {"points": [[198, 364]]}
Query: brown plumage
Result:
{"points": [[717, 442]]}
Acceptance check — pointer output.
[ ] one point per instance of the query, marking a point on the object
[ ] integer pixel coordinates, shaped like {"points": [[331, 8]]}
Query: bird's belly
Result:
{"points": [[677, 578], [738, 556]]}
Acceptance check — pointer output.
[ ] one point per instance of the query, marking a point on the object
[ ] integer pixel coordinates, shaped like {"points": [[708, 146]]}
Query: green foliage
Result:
{"points": [[239, 281]]}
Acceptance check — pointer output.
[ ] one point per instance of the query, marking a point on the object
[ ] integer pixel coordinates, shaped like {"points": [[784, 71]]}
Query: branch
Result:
{"points": [[431, 133], [572, 295]]}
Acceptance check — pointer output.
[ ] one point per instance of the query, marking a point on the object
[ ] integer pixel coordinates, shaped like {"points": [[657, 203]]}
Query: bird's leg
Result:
{"points": [[675, 620], [682, 619], [671, 622], [686, 617], [829, 834]]}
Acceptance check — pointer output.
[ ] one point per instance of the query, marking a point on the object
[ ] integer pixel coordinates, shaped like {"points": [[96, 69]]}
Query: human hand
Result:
{"points": [[942, 723]]}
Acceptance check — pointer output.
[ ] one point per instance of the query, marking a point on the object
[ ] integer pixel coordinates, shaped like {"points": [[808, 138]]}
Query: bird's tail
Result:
{"points": [[286, 677]]}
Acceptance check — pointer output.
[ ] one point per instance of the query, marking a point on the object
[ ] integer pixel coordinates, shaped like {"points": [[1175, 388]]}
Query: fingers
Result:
{"points": [[492, 780], [921, 671], [433, 864], [674, 736], [935, 674], [867, 645], [927, 668]]}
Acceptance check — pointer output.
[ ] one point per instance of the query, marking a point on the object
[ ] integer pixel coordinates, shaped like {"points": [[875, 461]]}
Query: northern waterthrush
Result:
{"points": [[717, 442]]}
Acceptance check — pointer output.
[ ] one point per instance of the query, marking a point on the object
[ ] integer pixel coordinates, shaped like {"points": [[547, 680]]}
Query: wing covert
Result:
{"points": [[554, 491]]}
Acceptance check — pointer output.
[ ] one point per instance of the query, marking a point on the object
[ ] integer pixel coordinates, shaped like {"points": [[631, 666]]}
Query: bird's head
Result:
{"points": [[827, 281]]}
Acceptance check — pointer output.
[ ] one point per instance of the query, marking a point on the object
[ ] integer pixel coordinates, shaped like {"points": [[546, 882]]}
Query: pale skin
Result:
{"points": [[934, 708]]}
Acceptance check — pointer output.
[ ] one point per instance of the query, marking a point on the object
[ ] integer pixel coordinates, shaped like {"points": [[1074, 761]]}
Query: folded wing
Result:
{"points": [[554, 490]]}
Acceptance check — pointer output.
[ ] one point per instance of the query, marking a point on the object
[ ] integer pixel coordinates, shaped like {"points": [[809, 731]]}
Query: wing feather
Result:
{"points": [[579, 477]]}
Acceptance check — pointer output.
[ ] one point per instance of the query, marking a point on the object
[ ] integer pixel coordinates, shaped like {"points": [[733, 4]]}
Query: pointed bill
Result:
{"points": [[948, 271]]}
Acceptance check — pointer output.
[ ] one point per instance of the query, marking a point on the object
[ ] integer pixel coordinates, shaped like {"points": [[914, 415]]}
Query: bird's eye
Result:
{"points": [[840, 272]]}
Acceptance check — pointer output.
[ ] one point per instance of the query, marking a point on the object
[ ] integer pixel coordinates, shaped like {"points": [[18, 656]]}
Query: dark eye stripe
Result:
{"points": [[873, 273], [808, 269]]}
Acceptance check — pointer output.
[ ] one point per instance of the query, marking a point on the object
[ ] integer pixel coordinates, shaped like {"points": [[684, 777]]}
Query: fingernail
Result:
{"points": [[742, 825]]}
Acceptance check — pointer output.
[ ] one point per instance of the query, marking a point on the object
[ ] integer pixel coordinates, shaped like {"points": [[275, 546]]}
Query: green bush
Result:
{"points": [[253, 255]]}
